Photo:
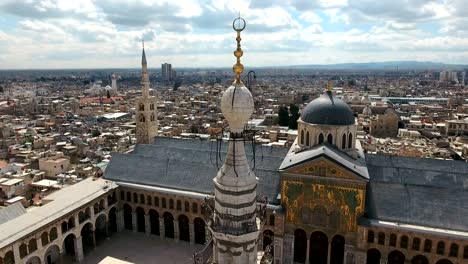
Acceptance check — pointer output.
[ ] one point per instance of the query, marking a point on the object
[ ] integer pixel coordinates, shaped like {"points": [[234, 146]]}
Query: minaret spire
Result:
{"points": [[144, 73], [235, 224]]}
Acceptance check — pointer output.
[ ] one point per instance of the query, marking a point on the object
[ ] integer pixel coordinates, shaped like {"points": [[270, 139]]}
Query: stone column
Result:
{"points": [[162, 230], [383, 259], [94, 238], [92, 213], [308, 251], [78, 243], [192, 233], [288, 249], [120, 220], [329, 252], [16, 253], [147, 225], [134, 222], [278, 250], [61, 256], [176, 230]]}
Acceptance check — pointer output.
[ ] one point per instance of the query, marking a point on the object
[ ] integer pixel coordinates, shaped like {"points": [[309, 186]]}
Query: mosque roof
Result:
{"points": [[426, 192], [190, 165], [328, 110]]}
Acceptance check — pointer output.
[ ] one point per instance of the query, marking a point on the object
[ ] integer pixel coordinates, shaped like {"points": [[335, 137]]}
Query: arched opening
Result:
{"points": [[142, 199], [179, 205], [381, 238], [337, 250], [32, 245], [194, 208], [69, 245], [416, 243], [154, 222], [135, 198], [151, 106], [396, 257], [23, 250], [140, 212], [150, 201], [142, 118], [350, 140], [156, 201], [129, 197], [199, 226], [300, 246], [64, 227], [33, 260], [52, 255], [419, 259], [100, 229], [404, 242], [465, 252], [152, 117], [272, 220], [168, 225], [393, 240], [113, 220], [444, 261], [373, 256], [427, 245], [128, 217], [187, 206], [440, 248], [71, 223], [163, 202], [343, 142], [53, 234], [141, 107], [184, 232], [307, 139], [9, 258], [330, 139], [87, 238], [370, 236], [302, 137], [268, 239], [318, 248], [453, 250], [171, 204], [320, 138], [44, 239]]}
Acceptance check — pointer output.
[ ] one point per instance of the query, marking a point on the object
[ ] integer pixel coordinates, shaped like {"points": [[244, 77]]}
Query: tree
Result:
{"points": [[294, 111], [283, 116]]}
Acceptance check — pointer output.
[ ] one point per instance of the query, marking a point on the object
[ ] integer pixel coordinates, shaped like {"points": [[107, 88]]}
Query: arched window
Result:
{"points": [[427, 245], [171, 204], [370, 236], [330, 139], [156, 201], [416, 243], [142, 107], [152, 117], [302, 137], [393, 240], [320, 138], [149, 200], [440, 248], [129, 197], [179, 205], [163, 202], [151, 106], [404, 242], [142, 118], [194, 208], [142, 198], [343, 141], [272, 219], [122, 195], [307, 139], [135, 198], [32, 245], [350, 140], [454, 250], [23, 250], [381, 238], [187, 206], [465, 252], [44, 239]]}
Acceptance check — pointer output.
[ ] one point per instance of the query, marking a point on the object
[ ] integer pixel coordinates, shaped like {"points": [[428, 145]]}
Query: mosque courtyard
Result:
{"points": [[130, 247]]}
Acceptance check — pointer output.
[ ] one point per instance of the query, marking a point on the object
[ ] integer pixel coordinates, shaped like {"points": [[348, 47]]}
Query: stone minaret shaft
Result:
{"points": [[235, 226], [145, 108]]}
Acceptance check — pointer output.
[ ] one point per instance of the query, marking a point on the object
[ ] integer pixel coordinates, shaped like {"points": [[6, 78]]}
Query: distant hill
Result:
{"points": [[387, 65]]}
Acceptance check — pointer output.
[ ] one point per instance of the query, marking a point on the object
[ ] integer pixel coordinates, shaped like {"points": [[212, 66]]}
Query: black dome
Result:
{"points": [[328, 110]]}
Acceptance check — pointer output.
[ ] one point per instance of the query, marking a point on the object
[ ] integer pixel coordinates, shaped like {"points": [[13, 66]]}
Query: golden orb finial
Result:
{"points": [[238, 25]]}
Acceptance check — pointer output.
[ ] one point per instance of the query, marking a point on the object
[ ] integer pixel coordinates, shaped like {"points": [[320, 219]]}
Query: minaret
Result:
{"points": [[145, 108], [234, 225], [114, 83]]}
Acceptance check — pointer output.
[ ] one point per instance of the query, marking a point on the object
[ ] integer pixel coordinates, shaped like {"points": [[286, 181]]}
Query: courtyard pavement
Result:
{"points": [[139, 248]]}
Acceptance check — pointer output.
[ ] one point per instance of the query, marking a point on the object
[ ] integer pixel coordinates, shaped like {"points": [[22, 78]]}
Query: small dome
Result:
{"points": [[237, 106], [365, 99], [328, 110]]}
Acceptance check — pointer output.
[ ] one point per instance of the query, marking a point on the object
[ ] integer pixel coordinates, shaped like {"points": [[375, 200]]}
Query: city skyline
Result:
{"points": [[107, 34]]}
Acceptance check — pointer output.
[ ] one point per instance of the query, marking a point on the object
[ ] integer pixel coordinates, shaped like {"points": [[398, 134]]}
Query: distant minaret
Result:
{"points": [[114, 83], [145, 114], [235, 224]]}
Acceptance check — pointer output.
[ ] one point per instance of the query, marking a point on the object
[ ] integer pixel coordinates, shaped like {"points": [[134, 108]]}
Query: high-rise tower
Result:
{"points": [[145, 114], [234, 225]]}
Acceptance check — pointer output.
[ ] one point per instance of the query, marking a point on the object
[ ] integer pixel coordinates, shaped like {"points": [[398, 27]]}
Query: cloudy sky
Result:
{"points": [[198, 33]]}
